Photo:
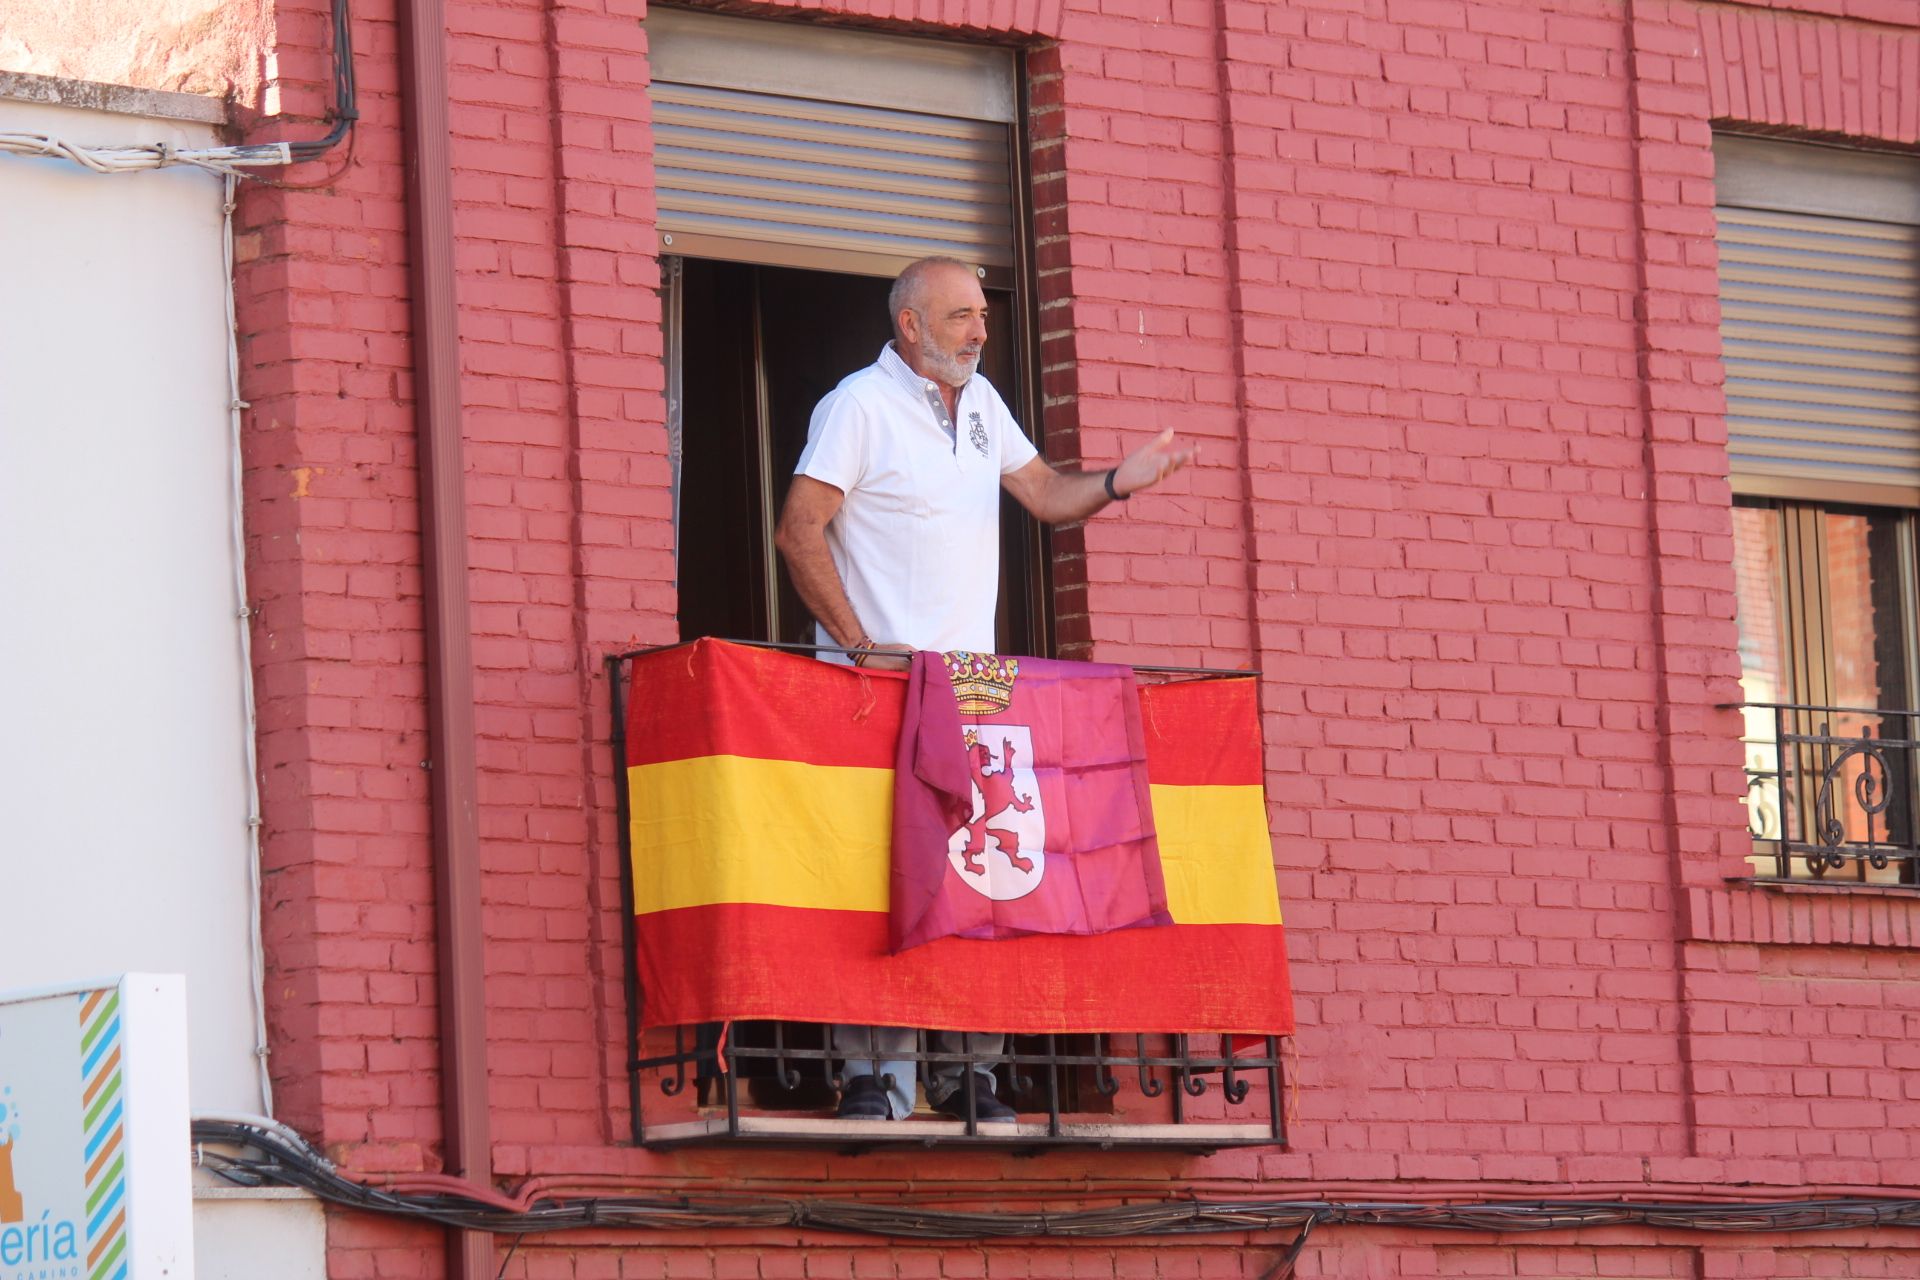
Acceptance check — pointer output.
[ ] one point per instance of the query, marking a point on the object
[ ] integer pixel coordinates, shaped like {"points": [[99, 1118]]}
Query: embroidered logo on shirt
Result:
{"points": [[977, 432]]}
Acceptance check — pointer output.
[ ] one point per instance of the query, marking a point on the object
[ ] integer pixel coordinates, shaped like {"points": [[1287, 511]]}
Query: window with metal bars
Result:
{"points": [[1819, 250], [1827, 649]]}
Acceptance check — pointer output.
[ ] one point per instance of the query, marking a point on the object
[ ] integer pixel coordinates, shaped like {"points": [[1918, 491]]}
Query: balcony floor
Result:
{"points": [[813, 1130]]}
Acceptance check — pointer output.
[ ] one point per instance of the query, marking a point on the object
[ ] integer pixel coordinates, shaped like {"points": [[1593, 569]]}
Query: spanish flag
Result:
{"points": [[760, 787]]}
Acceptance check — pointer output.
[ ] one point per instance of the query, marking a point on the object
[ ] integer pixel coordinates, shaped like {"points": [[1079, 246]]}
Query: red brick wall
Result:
{"points": [[1433, 282], [334, 568], [1411, 1255]]}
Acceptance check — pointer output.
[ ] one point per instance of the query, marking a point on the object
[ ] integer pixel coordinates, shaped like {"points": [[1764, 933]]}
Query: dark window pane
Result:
{"points": [[1867, 787]]}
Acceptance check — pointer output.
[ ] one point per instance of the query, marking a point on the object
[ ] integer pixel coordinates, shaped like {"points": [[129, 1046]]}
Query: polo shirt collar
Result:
{"points": [[901, 372], [925, 390]]}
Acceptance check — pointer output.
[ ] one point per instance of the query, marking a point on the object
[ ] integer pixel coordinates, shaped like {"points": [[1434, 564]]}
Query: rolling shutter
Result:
{"points": [[1820, 320], [795, 146]]}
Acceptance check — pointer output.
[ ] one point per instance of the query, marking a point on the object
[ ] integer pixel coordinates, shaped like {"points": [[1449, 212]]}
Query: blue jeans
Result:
{"points": [[884, 1047]]}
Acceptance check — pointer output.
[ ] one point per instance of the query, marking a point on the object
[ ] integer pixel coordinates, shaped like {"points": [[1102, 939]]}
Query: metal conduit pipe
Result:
{"points": [[452, 765]]}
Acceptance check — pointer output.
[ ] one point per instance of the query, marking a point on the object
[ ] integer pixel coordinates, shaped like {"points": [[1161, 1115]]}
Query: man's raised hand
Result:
{"points": [[1148, 466]]}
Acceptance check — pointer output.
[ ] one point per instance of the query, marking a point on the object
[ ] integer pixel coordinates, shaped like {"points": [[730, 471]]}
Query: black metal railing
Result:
{"points": [[777, 1082], [1830, 792]]}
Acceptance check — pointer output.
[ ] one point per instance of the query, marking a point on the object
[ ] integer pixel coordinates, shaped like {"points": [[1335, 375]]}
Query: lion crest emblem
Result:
{"points": [[999, 850]]}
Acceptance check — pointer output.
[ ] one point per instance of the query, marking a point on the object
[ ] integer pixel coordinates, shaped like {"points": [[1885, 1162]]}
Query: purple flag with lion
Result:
{"points": [[1021, 802]]}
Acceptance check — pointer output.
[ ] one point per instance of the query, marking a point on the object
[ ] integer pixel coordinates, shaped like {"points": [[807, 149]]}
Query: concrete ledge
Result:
{"points": [[1022, 1133], [155, 104], [253, 1193]]}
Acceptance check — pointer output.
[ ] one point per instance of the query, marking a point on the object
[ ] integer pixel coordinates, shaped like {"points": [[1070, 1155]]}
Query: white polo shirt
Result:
{"points": [[917, 540]]}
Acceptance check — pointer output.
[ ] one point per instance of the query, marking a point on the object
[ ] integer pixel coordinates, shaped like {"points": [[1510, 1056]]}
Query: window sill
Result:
{"points": [[1776, 884], [1798, 913]]}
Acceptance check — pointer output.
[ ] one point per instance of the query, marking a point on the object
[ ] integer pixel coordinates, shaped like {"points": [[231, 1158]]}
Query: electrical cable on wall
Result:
{"points": [[232, 162], [132, 159], [243, 611], [285, 1159], [346, 98]]}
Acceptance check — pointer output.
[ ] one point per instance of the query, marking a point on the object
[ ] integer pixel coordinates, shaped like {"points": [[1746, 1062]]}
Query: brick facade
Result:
{"points": [[1433, 282]]}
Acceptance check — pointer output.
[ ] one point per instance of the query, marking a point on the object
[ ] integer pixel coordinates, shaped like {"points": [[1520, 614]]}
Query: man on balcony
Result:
{"points": [[891, 533]]}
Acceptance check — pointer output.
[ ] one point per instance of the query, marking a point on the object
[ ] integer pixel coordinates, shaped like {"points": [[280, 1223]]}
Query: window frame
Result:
{"points": [[1803, 715], [1027, 595]]}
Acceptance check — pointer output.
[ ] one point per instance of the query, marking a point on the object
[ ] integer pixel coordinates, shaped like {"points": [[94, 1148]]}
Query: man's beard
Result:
{"points": [[953, 368]]}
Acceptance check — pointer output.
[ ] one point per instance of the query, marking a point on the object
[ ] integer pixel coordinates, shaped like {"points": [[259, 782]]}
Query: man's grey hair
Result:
{"points": [[909, 292]]}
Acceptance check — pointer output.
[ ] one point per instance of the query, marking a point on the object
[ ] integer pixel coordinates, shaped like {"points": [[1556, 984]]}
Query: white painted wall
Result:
{"points": [[122, 779], [122, 770], [274, 1233]]}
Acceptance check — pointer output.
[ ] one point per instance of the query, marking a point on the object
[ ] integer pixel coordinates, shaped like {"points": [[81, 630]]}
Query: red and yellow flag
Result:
{"points": [[761, 792]]}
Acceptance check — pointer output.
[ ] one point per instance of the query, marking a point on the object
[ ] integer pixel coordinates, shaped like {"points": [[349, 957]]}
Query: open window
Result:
{"points": [[757, 348], [798, 170]]}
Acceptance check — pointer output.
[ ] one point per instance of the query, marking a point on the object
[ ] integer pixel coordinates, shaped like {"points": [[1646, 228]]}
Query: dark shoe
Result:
{"points": [[862, 1098], [987, 1109]]}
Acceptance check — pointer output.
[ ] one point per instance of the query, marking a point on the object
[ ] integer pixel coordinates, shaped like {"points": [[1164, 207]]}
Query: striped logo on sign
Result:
{"points": [[105, 1128]]}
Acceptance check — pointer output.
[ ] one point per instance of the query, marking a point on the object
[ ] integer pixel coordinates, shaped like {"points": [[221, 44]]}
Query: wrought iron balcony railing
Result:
{"points": [[775, 1082], [1831, 792]]}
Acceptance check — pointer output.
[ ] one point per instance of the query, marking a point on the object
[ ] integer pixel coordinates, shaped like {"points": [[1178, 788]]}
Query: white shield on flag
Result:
{"points": [[1000, 852]]}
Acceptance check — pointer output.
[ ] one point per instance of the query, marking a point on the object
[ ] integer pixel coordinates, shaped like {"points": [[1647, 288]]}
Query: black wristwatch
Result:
{"points": [[1113, 494]]}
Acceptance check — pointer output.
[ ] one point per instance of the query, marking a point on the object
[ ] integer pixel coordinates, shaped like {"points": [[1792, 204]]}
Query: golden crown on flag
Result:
{"points": [[982, 682]]}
